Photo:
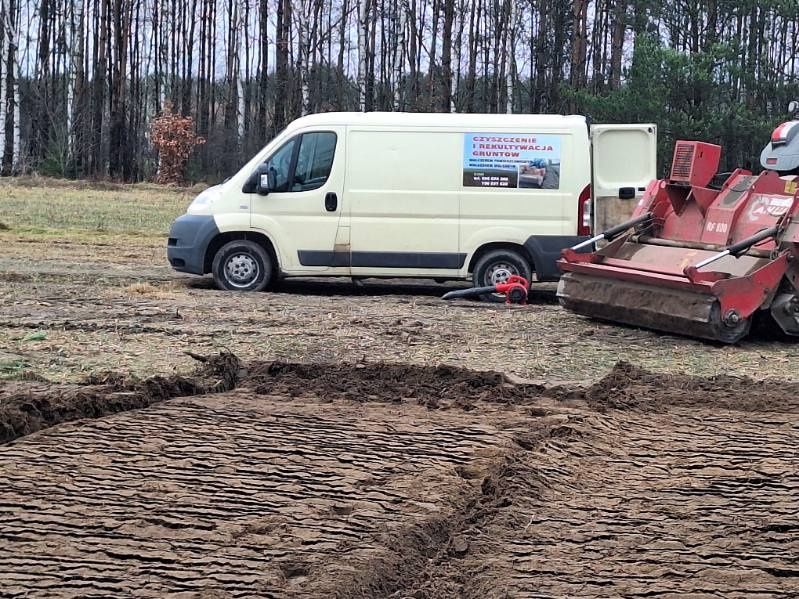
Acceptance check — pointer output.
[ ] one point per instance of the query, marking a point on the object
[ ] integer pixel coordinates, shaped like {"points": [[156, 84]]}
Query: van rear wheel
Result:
{"points": [[496, 267], [242, 265]]}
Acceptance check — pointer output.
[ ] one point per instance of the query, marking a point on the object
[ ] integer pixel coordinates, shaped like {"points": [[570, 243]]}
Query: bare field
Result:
{"points": [[364, 442]]}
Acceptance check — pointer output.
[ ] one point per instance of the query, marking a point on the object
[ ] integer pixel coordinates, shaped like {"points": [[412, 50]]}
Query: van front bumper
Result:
{"points": [[188, 241]]}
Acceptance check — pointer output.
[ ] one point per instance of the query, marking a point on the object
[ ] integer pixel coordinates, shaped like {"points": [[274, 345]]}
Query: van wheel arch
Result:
{"points": [[220, 240], [490, 247]]}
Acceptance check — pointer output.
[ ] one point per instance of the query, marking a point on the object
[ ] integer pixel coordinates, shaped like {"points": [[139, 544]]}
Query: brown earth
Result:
{"points": [[112, 303], [377, 480], [27, 408], [374, 441]]}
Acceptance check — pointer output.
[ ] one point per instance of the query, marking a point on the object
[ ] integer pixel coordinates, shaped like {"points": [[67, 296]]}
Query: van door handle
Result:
{"points": [[331, 201]]}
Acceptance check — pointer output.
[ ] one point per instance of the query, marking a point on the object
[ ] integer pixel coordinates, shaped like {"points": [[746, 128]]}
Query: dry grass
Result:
{"points": [[107, 299], [143, 289], [45, 207]]}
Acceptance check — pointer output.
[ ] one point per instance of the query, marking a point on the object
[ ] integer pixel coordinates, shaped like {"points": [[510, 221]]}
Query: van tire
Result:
{"points": [[495, 265], [242, 265]]}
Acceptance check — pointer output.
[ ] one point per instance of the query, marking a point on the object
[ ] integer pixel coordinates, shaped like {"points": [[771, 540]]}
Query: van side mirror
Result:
{"points": [[259, 181], [793, 107], [266, 181], [263, 184]]}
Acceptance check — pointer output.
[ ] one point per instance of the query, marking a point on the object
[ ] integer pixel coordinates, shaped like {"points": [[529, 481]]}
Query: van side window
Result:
{"points": [[314, 160], [280, 164]]}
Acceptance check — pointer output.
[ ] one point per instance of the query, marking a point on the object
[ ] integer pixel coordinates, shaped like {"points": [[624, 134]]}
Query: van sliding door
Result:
{"points": [[402, 190]]}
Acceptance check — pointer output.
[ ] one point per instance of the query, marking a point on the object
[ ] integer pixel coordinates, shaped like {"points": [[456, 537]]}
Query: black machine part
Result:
{"points": [[785, 312]]}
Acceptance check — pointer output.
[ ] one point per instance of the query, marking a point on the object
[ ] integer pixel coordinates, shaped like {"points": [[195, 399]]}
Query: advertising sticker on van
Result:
{"points": [[511, 160]]}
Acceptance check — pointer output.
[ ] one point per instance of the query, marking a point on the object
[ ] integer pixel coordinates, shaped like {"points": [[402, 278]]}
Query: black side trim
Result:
{"points": [[545, 251], [320, 258], [443, 260]]}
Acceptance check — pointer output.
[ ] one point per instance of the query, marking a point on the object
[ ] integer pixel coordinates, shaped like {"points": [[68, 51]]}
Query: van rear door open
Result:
{"points": [[624, 162]]}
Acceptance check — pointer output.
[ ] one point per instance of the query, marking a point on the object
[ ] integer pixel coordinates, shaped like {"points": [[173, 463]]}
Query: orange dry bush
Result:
{"points": [[173, 137]]}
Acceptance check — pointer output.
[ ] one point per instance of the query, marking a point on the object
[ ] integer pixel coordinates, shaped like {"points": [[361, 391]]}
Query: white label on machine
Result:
{"points": [[769, 205]]}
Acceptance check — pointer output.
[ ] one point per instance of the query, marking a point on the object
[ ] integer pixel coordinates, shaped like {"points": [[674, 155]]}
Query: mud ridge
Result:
{"points": [[625, 387], [436, 387], [134, 329], [29, 407], [25, 409], [417, 556], [628, 387]]}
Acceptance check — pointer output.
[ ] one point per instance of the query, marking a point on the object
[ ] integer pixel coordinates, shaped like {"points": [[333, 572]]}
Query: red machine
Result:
{"points": [[696, 260]]}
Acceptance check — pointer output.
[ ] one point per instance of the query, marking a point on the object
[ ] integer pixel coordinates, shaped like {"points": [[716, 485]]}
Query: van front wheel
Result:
{"points": [[242, 265], [495, 267]]}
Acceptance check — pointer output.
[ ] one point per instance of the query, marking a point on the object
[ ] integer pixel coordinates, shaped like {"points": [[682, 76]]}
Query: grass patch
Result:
{"points": [[35, 336], [41, 206], [12, 368]]}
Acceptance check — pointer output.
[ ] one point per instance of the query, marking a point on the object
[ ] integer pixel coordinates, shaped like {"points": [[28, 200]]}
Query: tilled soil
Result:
{"points": [[381, 480], [26, 408]]}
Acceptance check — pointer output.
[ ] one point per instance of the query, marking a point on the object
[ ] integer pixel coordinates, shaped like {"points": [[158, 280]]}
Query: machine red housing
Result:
{"points": [[694, 163]]}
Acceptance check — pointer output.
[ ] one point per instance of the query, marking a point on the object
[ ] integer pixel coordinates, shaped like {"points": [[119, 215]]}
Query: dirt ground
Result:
{"points": [[113, 304], [357, 480], [371, 440]]}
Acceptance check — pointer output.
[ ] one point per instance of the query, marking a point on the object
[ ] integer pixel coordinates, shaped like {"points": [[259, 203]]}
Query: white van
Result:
{"points": [[446, 196]]}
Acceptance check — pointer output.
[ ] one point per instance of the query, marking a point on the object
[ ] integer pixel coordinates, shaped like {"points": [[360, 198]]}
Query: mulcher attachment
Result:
{"points": [[693, 260]]}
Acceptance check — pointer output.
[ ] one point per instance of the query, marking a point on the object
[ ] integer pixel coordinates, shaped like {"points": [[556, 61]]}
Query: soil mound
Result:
{"points": [[26, 407], [33, 407], [627, 387], [431, 386]]}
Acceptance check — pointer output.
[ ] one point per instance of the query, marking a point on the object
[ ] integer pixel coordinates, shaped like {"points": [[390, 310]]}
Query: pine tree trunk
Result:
{"points": [[474, 32], [579, 44], [341, 75], [511, 67], [40, 122], [263, 76], [431, 70], [363, 32], [99, 85], [410, 14], [75, 76], [119, 164], [617, 42], [447, 98], [281, 65]]}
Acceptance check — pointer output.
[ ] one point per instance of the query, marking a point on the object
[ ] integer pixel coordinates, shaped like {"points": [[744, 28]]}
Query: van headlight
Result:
{"points": [[203, 202]]}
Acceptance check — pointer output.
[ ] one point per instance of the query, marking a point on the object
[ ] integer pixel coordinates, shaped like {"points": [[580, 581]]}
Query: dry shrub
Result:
{"points": [[174, 138], [142, 288]]}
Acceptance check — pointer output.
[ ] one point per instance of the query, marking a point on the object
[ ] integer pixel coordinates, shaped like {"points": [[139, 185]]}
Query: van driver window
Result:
{"points": [[280, 164], [314, 160]]}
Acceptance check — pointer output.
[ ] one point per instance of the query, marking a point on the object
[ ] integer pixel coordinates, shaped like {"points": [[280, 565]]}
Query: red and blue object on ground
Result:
{"points": [[514, 288]]}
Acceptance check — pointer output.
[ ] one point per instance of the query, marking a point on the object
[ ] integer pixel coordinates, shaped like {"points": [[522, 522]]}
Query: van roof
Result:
{"points": [[420, 119]]}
